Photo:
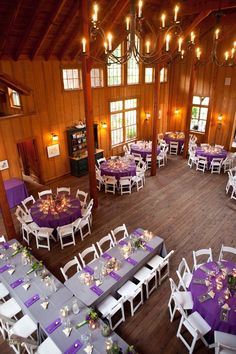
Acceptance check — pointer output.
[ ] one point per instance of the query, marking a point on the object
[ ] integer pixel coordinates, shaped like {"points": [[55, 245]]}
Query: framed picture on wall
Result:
{"points": [[53, 150], [4, 165]]}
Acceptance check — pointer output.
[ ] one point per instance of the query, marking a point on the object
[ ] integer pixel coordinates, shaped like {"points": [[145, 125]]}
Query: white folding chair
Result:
{"points": [[174, 147], [110, 184], [230, 182], [48, 346], [161, 159], [83, 225], [227, 164], [99, 180], [82, 196], [2, 239], [63, 190], [126, 150], [178, 298], [23, 215], [201, 164], [88, 210], [100, 161], [225, 343], [148, 277], [44, 193], [27, 203], [43, 236], [119, 233], [137, 157], [3, 292], [162, 265], [184, 275], [109, 309], [216, 165], [10, 309], [204, 145], [228, 250], [202, 252], [196, 326], [108, 241], [148, 160], [91, 251], [129, 292], [64, 233], [192, 159], [125, 185], [138, 182], [74, 262]]}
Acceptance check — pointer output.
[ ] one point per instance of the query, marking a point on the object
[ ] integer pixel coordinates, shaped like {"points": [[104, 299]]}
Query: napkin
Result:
{"points": [[26, 286], [204, 297], [131, 261], [45, 305], [11, 271], [16, 283], [53, 326], [74, 348], [96, 290], [5, 267], [148, 248], [114, 275], [88, 349], [212, 294], [67, 331], [226, 307], [32, 300]]}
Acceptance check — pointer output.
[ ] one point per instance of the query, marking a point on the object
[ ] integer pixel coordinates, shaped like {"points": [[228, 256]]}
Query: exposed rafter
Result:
{"points": [[47, 27], [27, 32], [14, 84], [192, 7], [8, 28]]}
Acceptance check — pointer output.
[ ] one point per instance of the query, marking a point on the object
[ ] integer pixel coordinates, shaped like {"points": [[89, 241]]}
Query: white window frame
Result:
{"points": [[113, 68], [97, 78], [199, 115], [72, 87]]}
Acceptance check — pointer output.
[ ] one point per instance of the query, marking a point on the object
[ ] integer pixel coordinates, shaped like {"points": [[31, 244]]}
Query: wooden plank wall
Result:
{"points": [[50, 109]]}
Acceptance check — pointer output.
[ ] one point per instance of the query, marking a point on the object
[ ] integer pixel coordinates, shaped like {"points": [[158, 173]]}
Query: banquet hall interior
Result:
{"points": [[118, 118]]}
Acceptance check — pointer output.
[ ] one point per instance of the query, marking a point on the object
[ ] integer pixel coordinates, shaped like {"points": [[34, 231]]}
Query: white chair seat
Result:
{"points": [[27, 218], [128, 289], [155, 261], [3, 291], [187, 279], [24, 327], [195, 320], [143, 274], [10, 308], [109, 308], [107, 305], [48, 347], [227, 340], [184, 298]]}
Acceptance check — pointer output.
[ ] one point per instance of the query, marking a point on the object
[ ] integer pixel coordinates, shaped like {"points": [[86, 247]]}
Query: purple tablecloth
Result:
{"points": [[168, 139], [108, 171], [139, 149], [60, 219], [211, 155], [16, 191], [210, 309]]}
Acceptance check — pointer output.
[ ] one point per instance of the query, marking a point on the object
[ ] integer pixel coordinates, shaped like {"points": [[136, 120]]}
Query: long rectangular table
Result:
{"points": [[109, 284], [57, 299], [16, 191]]}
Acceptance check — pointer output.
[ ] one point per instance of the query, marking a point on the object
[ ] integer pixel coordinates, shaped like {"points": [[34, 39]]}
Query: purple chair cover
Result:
{"points": [[168, 139], [210, 156], [129, 171], [16, 191], [210, 310], [136, 148], [53, 221]]}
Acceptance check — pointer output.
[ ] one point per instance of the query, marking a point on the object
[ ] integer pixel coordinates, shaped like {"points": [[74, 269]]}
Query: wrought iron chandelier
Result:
{"points": [[134, 27]]}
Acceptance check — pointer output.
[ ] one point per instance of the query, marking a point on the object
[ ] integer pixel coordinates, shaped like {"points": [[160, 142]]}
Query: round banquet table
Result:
{"points": [[58, 219], [108, 168], [210, 155], [210, 309], [172, 137], [142, 150]]}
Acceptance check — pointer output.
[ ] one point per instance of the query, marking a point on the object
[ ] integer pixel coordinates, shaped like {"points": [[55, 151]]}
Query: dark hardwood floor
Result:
{"points": [[188, 209]]}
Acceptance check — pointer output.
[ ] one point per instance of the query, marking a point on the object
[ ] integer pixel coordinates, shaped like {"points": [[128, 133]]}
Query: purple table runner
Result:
{"points": [[106, 255], [32, 300], [74, 348], [5, 267], [148, 248], [96, 290], [16, 283], [88, 269], [115, 276], [53, 326]]}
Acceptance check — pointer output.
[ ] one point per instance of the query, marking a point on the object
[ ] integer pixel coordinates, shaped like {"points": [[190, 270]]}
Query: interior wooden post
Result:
{"points": [[156, 100], [88, 108], [6, 213]]}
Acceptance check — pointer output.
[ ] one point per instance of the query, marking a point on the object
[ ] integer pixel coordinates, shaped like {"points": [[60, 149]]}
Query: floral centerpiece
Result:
{"points": [[55, 204], [86, 278], [92, 319], [126, 249], [110, 265], [35, 267], [18, 248], [231, 279], [147, 235], [138, 243], [114, 349], [131, 350]]}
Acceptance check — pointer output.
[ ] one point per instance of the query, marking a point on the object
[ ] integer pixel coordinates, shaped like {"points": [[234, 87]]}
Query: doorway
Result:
{"points": [[29, 160]]}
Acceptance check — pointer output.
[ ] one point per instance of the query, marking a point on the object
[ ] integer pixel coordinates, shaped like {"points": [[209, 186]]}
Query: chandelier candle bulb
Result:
{"points": [[198, 53], [83, 45], [192, 37], [148, 47], [182, 54], [140, 4], [234, 44], [95, 15], [226, 56], [180, 41], [232, 52], [176, 13], [163, 20], [109, 39], [105, 47], [127, 23], [217, 31], [167, 42]]}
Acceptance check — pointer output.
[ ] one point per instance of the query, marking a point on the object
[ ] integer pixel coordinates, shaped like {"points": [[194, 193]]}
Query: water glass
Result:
{"points": [[75, 307], [86, 338]]}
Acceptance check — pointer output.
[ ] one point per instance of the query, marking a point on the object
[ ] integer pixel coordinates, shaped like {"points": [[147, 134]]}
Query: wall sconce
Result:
{"points": [[147, 116], [177, 110], [219, 118], [55, 137], [104, 125]]}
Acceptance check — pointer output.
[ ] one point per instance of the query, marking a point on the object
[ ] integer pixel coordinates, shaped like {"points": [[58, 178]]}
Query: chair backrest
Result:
{"points": [[2, 239], [82, 196], [217, 160], [106, 239], [90, 205], [126, 179], [226, 249], [204, 145], [43, 193], [174, 144], [167, 257], [202, 159], [202, 252], [122, 230], [148, 157], [125, 149], [28, 202], [70, 264], [20, 212], [110, 179], [137, 156], [100, 161], [63, 190], [183, 268], [225, 343], [90, 250], [173, 286]]}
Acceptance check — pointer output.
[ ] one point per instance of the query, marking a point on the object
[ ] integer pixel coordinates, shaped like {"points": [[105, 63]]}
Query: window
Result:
{"points": [[149, 75], [114, 70], [163, 75], [14, 98], [133, 66], [199, 113], [71, 79], [123, 121], [97, 77]]}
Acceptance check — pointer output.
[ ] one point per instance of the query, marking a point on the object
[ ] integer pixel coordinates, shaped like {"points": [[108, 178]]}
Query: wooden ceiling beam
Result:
{"points": [[14, 84], [49, 23], [62, 29], [192, 7], [10, 24], [27, 32]]}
